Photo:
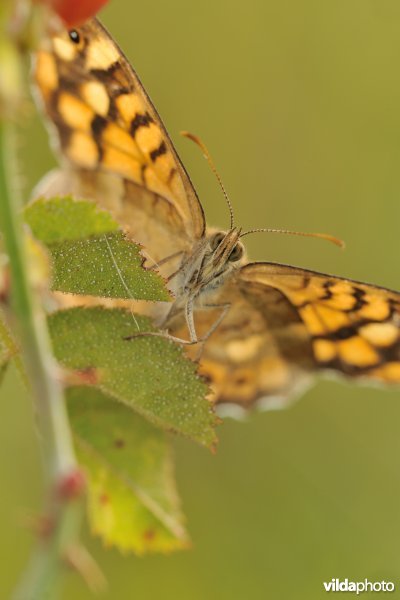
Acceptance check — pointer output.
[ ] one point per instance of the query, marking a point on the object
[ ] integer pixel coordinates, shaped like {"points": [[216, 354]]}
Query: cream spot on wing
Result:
{"points": [[324, 350], [101, 54], [380, 334], [64, 48], [148, 138], [82, 150], [46, 72], [243, 350], [74, 112], [129, 105], [95, 94]]}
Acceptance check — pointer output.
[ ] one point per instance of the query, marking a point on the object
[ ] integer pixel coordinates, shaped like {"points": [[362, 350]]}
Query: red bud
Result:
{"points": [[72, 485], [75, 12]]}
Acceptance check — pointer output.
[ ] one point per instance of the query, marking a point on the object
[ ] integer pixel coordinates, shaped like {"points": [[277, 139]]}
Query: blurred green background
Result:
{"points": [[299, 103]]}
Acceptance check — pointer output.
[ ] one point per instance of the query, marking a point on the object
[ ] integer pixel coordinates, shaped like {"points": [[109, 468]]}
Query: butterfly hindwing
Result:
{"points": [[260, 350]]}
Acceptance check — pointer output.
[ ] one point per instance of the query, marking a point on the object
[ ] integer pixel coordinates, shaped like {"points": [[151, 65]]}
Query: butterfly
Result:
{"points": [[267, 328]]}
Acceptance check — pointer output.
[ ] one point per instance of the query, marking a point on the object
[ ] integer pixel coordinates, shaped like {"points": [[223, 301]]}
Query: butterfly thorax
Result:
{"points": [[213, 258]]}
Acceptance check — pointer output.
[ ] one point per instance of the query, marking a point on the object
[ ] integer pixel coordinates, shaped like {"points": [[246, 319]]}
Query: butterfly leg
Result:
{"points": [[189, 316], [190, 323], [163, 261], [164, 335], [225, 307]]}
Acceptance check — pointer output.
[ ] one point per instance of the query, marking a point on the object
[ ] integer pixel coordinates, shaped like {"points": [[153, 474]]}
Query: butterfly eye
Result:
{"points": [[216, 240], [236, 253], [74, 36]]}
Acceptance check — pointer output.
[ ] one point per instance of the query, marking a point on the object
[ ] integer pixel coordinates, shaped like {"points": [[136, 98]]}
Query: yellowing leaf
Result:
{"points": [[132, 499]]}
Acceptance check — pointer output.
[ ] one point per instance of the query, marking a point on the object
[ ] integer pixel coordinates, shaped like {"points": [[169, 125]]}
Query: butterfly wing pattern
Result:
{"points": [[287, 324], [284, 324], [111, 141]]}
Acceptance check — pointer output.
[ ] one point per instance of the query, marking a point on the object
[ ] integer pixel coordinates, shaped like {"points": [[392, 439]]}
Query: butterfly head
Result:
{"points": [[225, 247], [224, 251]]}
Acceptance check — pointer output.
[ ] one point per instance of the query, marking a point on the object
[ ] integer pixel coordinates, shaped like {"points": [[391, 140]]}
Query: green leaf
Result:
{"points": [[109, 266], [132, 498], [149, 374], [90, 255], [61, 219]]}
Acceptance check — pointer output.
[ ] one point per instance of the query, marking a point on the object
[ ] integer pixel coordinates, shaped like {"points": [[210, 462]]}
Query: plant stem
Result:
{"points": [[51, 413], [62, 513]]}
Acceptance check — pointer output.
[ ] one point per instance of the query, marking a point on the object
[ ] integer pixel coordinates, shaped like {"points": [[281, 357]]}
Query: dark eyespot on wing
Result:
{"points": [[74, 36]]}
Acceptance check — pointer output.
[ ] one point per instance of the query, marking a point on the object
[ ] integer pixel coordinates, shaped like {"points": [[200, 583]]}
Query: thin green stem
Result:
{"points": [[63, 512], [52, 418]]}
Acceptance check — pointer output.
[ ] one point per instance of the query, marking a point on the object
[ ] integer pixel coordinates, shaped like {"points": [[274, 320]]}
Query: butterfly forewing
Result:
{"points": [[286, 324], [353, 327], [105, 121]]}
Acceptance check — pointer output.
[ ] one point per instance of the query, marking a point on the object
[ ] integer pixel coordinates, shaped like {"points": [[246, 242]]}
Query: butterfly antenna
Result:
{"points": [[321, 236], [208, 158]]}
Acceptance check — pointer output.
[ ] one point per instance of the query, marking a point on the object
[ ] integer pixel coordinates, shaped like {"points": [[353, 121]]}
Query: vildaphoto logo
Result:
{"points": [[358, 587]]}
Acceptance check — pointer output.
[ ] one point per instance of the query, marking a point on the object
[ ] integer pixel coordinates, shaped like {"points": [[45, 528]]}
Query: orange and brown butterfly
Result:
{"points": [[268, 328]]}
